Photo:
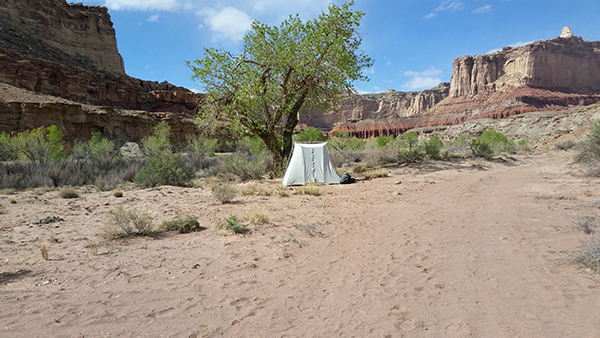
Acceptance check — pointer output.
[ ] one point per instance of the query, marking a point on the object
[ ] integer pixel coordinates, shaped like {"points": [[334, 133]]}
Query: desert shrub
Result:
{"points": [[118, 192], [345, 143], [481, 149], [310, 135], [251, 145], [587, 224], [433, 147], [123, 223], [589, 254], [523, 146], [280, 191], [224, 192], [100, 151], [458, 147], [245, 165], [68, 192], [182, 225], [385, 155], [376, 173], [565, 145], [198, 150], [159, 141], [411, 150], [107, 182], [7, 150], [589, 153], [165, 168], [232, 224], [341, 157]]}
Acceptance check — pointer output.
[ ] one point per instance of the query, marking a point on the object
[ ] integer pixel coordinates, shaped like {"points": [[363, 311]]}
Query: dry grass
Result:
{"points": [[377, 173], [44, 252], [224, 192], [123, 223], [254, 190], [360, 168], [68, 192], [118, 192], [311, 229], [309, 189], [256, 216]]}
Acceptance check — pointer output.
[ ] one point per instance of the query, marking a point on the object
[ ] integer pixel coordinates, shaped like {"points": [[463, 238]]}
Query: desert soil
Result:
{"points": [[468, 248]]}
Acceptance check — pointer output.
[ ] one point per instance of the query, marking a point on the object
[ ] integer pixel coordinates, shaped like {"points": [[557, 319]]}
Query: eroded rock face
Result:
{"points": [[561, 64], [377, 113], [51, 28]]}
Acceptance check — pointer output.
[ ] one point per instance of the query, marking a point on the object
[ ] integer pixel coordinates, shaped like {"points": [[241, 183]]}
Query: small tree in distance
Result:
{"points": [[281, 72]]}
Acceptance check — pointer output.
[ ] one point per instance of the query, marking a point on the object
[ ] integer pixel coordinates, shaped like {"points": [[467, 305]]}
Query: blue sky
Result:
{"points": [[413, 42]]}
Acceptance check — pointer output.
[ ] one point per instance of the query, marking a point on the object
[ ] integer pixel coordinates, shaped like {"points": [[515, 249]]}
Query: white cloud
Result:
{"points": [[144, 5], [369, 71], [449, 5], [430, 16], [153, 18], [483, 9], [422, 80], [516, 44], [227, 23]]}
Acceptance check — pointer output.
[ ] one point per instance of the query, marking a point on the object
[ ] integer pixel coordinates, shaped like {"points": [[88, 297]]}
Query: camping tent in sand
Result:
{"points": [[310, 163]]}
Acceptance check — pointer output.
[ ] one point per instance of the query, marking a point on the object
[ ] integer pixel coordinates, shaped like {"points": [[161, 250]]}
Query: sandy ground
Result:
{"points": [[471, 248]]}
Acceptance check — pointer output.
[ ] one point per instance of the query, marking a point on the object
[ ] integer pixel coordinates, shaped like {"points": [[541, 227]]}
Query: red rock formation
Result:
{"points": [[49, 28], [94, 87]]}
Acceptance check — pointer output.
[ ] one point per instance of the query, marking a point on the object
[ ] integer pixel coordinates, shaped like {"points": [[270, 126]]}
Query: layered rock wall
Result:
{"points": [[55, 27], [563, 64]]}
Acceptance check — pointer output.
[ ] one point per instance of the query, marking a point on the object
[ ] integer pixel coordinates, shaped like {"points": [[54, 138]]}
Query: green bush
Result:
{"points": [[383, 141], [159, 141], [182, 225], [41, 145], [310, 135], [481, 148], [497, 141], [165, 168], [7, 151], [232, 223], [433, 147], [251, 145], [101, 151]]}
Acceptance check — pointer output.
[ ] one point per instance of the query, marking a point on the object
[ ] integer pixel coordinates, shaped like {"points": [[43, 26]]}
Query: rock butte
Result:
{"points": [[69, 51]]}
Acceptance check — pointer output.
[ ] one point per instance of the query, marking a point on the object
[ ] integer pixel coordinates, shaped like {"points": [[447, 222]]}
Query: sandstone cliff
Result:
{"points": [[70, 51], [49, 29], [383, 114]]}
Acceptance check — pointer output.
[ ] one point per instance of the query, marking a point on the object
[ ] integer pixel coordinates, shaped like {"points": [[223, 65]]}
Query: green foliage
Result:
{"points": [[383, 141], [41, 145], [347, 143], [202, 147], [310, 135], [411, 139], [497, 141], [233, 224], [481, 148], [182, 225], [7, 151], [282, 71], [159, 141], [165, 168], [101, 151], [341, 133], [433, 147], [251, 145]]}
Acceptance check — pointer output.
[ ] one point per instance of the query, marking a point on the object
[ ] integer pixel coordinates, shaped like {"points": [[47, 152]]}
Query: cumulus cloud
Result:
{"points": [[422, 80], [229, 22], [483, 9], [153, 18], [144, 5], [516, 44]]}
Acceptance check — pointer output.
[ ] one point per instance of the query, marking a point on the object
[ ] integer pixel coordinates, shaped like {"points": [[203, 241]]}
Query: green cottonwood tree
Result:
{"points": [[281, 72]]}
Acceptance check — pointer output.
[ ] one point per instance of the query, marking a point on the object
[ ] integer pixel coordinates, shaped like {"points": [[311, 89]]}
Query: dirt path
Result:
{"points": [[449, 249]]}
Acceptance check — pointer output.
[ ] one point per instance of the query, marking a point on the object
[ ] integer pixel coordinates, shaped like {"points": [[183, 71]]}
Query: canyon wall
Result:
{"points": [[53, 27]]}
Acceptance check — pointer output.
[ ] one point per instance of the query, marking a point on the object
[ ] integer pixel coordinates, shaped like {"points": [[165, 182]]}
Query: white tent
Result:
{"points": [[310, 163]]}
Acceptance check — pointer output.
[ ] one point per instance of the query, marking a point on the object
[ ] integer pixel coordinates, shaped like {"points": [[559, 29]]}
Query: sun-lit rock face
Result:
{"points": [[567, 64], [57, 31]]}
